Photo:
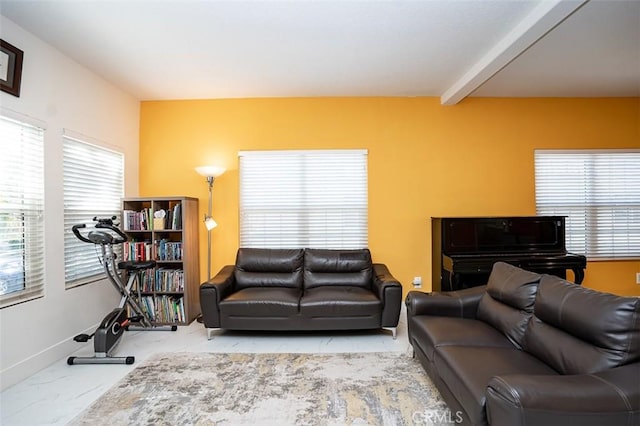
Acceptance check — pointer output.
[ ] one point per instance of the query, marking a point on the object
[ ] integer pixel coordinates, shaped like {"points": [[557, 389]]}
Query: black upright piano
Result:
{"points": [[464, 249]]}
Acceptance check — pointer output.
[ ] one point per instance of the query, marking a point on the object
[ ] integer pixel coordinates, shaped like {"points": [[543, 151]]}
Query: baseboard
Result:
{"points": [[29, 366]]}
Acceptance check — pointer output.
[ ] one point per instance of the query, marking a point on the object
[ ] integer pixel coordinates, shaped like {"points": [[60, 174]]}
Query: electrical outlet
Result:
{"points": [[637, 277], [417, 282]]}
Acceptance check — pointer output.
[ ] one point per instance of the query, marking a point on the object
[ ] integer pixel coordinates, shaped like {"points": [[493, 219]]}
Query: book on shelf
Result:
{"points": [[137, 220], [145, 281], [168, 250], [169, 280], [149, 307], [137, 251], [164, 308], [176, 222]]}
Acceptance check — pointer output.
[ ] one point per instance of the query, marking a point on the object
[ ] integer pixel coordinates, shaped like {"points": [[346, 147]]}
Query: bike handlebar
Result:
{"points": [[123, 237], [77, 233], [102, 223]]}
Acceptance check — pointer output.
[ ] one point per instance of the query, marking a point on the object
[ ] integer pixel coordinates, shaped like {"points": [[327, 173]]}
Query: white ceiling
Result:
{"points": [[175, 49]]}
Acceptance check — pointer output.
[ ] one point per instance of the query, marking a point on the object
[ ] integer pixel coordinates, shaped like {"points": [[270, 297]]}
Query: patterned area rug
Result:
{"points": [[271, 389]]}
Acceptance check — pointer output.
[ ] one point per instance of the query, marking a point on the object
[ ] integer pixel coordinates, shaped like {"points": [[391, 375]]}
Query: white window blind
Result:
{"points": [[21, 211], [599, 192], [93, 186], [311, 198]]}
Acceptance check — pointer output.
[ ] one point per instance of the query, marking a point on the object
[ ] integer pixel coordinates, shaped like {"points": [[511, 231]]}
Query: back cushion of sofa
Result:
{"points": [[268, 268], [508, 303], [337, 268], [577, 330]]}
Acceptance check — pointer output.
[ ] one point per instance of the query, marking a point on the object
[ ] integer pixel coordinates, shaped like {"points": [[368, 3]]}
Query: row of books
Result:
{"points": [[146, 280], [137, 221], [139, 251], [164, 308], [174, 217], [144, 220], [168, 250], [169, 280], [160, 280]]}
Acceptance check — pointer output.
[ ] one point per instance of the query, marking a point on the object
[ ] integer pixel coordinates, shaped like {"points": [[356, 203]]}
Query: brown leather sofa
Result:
{"points": [[301, 289], [530, 349]]}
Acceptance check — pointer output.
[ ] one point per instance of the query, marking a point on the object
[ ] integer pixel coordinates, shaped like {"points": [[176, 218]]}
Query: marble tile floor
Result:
{"points": [[58, 393]]}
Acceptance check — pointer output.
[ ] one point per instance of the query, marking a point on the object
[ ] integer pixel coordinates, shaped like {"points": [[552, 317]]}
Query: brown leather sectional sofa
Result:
{"points": [[528, 349], [301, 289]]}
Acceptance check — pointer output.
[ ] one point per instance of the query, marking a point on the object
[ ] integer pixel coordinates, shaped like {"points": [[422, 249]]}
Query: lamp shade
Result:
{"points": [[209, 223], [210, 171]]}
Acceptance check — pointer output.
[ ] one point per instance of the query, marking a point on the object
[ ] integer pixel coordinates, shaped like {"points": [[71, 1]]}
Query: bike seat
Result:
{"points": [[136, 266]]}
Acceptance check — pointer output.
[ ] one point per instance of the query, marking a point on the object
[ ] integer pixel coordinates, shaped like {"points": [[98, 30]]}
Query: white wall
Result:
{"points": [[63, 94]]}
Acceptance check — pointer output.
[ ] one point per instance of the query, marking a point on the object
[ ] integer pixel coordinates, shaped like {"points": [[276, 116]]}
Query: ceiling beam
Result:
{"points": [[546, 16]]}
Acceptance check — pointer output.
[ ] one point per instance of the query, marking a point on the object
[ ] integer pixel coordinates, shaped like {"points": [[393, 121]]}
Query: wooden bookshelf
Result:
{"points": [[170, 290]]}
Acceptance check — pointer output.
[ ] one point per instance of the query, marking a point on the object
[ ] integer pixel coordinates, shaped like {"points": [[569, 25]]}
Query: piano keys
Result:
{"points": [[464, 249]]}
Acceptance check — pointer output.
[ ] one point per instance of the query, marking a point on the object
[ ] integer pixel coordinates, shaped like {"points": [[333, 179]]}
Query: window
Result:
{"points": [[291, 199], [93, 186], [599, 192], [21, 210]]}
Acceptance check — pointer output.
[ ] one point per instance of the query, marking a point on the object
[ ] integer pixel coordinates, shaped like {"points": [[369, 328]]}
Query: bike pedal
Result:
{"points": [[82, 338]]}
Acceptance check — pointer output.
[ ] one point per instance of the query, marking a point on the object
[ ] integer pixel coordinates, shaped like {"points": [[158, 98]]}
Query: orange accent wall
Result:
{"points": [[425, 159]]}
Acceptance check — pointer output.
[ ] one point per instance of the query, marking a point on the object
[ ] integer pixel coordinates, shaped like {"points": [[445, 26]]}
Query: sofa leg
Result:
{"points": [[210, 331], [394, 331]]}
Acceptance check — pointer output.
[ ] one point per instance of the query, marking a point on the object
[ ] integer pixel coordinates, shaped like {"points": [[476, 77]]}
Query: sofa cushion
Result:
{"points": [[337, 268], [334, 301], [431, 332], [268, 268], [581, 331], [466, 371], [262, 301], [508, 302]]}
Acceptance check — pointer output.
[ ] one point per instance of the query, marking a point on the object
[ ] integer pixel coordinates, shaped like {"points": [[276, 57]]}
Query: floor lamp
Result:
{"points": [[211, 173]]}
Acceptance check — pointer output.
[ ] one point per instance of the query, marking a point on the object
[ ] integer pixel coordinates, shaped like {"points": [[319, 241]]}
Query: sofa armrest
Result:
{"points": [[212, 292], [609, 397], [389, 291], [460, 303]]}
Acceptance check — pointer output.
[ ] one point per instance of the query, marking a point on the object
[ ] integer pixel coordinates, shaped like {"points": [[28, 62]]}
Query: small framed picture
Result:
{"points": [[10, 68]]}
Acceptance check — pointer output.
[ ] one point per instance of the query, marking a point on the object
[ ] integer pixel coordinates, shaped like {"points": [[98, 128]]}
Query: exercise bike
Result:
{"points": [[110, 331]]}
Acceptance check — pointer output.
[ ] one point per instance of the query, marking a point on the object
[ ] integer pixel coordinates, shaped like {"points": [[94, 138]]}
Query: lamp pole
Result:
{"points": [[210, 172], [210, 179]]}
